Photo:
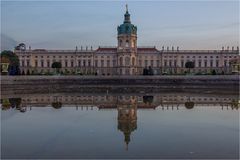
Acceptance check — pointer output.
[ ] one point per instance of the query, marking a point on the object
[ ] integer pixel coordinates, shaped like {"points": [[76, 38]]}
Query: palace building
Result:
{"points": [[127, 58]]}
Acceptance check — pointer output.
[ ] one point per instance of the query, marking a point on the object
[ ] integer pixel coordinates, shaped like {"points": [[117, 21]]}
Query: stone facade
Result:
{"points": [[126, 58]]}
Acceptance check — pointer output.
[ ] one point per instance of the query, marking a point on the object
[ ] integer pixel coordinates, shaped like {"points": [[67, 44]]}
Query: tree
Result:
{"points": [[56, 105], [150, 70], [57, 66], [13, 59], [148, 99], [214, 72], [145, 71], [189, 105], [189, 65], [28, 72], [21, 47]]}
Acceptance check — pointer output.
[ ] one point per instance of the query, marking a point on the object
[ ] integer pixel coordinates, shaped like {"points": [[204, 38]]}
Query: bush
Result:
{"points": [[213, 72]]}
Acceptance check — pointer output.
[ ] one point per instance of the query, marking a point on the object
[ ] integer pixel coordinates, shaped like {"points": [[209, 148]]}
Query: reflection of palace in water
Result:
{"points": [[126, 106], [164, 101]]}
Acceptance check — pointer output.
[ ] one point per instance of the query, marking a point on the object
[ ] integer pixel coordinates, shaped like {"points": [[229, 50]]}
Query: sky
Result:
{"points": [[67, 24]]}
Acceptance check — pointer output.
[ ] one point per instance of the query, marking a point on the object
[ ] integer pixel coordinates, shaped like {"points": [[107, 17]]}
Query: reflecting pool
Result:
{"points": [[164, 125]]}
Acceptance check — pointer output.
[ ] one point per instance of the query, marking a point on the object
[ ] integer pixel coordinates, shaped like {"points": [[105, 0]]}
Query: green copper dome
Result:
{"points": [[127, 27]]}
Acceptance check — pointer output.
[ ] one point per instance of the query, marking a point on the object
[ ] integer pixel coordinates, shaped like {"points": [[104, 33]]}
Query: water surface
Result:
{"points": [[171, 125]]}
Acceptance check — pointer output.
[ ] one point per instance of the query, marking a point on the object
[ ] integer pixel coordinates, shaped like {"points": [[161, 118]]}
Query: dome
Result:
{"points": [[127, 27]]}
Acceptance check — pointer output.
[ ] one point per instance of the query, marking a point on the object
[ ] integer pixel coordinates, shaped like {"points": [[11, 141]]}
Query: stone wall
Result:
{"points": [[120, 84]]}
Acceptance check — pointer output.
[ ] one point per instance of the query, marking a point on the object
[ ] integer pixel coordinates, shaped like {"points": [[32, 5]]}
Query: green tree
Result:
{"points": [[148, 99], [150, 70], [56, 66], [13, 59], [189, 105], [21, 47], [214, 72], [189, 65], [56, 105]]}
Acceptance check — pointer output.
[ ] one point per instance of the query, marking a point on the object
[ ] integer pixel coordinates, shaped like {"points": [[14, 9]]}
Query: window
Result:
{"points": [[71, 63], [79, 63], [36, 63], [102, 63], [225, 63], [28, 63], [211, 63], [127, 61], [120, 43], [170, 63], [175, 63], [48, 64], [217, 63], [121, 61], [133, 61], [152, 63], [22, 63], [89, 63], [140, 62], [146, 63], [96, 63], [158, 63], [84, 63], [42, 63], [205, 63], [182, 63], [66, 63], [114, 62], [108, 63], [165, 63], [200, 63], [127, 43]]}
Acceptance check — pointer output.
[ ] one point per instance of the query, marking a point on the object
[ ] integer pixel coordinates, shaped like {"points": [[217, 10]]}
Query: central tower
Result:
{"points": [[127, 47]]}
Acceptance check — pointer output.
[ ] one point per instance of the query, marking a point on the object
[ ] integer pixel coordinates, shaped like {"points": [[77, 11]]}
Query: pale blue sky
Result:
{"points": [[65, 24]]}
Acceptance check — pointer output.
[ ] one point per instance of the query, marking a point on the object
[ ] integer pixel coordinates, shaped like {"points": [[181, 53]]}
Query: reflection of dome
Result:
{"points": [[127, 120], [127, 127], [189, 105]]}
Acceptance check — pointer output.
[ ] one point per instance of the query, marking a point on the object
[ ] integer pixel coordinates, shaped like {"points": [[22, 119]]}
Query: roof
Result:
{"points": [[107, 49], [147, 50]]}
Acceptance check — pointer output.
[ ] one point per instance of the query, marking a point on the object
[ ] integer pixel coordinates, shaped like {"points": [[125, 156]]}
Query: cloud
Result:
{"points": [[7, 43]]}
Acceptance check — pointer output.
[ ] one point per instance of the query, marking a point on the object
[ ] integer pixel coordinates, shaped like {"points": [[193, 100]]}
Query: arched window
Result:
{"points": [[121, 61], [120, 43], [133, 43], [133, 61], [127, 61], [127, 43]]}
